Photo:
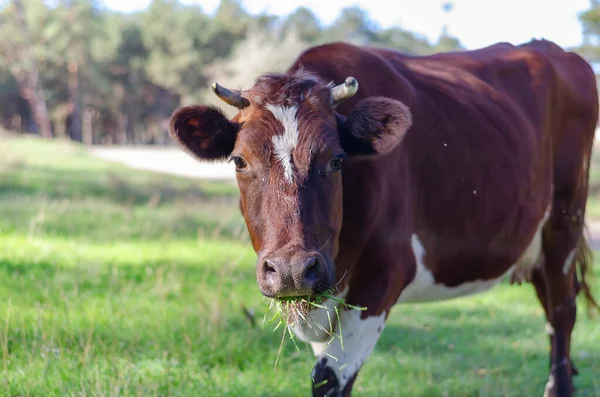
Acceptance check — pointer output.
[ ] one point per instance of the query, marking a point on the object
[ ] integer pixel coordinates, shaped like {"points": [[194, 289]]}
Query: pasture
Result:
{"points": [[118, 282]]}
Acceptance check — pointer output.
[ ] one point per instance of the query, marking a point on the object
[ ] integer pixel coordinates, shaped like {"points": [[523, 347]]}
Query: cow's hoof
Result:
{"points": [[324, 381]]}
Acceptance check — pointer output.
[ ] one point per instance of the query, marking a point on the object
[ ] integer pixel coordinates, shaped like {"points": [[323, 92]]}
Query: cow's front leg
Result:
{"points": [[340, 358]]}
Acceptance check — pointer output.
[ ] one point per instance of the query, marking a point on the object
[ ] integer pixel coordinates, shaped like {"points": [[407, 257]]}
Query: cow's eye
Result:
{"points": [[239, 162], [335, 164]]}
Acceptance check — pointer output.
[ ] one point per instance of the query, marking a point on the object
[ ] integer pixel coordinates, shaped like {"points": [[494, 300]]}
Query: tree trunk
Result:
{"points": [[28, 80], [87, 126], [74, 106], [122, 127]]}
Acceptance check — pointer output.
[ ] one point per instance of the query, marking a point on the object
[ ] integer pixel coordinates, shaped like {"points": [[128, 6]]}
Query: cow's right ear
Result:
{"points": [[204, 130], [375, 126]]}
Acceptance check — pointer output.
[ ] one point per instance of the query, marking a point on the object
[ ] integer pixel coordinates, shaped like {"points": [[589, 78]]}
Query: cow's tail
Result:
{"points": [[584, 261]]}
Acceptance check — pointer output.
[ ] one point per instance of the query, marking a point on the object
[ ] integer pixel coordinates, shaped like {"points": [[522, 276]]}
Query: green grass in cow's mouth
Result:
{"points": [[295, 309]]}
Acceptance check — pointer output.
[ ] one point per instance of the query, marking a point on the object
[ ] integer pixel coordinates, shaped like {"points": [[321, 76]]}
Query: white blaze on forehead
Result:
{"points": [[285, 143]]}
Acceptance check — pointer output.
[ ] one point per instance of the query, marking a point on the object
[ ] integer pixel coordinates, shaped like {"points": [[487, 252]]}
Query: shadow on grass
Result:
{"points": [[95, 223], [100, 279], [114, 206]]}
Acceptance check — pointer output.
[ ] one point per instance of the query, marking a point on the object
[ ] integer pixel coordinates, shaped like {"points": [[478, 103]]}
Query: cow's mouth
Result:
{"points": [[295, 309]]}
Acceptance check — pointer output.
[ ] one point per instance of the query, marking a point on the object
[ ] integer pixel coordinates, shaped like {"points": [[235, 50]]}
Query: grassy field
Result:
{"points": [[123, 283]]}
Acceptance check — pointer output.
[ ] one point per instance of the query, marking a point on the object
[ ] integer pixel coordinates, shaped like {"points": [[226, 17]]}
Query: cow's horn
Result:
{"points": [[344, 91], [231, 97]]}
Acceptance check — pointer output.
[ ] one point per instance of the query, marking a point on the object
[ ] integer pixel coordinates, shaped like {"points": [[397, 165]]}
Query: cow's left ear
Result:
{"points": [[376, 125], [204, 130]]}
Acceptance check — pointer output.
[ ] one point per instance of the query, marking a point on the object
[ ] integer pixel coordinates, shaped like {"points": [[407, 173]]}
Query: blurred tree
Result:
{"points": [[303, 23], [353, 25], [120, 58], [447, 7], [404, 41], [15, 109], [447, 43], [258, 53], [18, 52], [111, 77], [74, 25], [590, 21]]}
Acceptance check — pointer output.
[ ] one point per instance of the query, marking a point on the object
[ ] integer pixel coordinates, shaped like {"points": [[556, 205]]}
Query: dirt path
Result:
{"points": [[176, 162], [165, 160], [594, 233]]}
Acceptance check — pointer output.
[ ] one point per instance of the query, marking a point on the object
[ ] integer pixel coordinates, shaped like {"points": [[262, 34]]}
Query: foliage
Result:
{"points": [[110, 77], [590, 22]]}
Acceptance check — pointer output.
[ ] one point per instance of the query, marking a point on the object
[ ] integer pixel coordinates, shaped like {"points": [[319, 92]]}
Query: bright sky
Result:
{"points": [[476, 23]]}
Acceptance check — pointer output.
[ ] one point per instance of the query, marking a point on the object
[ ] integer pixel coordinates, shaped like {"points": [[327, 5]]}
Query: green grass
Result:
{"points": [[593, 204], [116, 282]]}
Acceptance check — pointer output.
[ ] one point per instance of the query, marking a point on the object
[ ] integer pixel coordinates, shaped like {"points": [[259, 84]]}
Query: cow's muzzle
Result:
{"points": [[303, 276]]}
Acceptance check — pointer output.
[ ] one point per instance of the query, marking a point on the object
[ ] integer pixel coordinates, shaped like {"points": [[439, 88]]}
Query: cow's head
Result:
{"points": [[289, 146]]}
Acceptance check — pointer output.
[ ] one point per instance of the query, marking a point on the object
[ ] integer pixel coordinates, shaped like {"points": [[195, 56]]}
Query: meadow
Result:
{"points": [[118, 282]]}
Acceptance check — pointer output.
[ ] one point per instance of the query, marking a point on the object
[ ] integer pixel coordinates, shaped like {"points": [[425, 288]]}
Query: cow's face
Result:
{"points": [[289, 146]]}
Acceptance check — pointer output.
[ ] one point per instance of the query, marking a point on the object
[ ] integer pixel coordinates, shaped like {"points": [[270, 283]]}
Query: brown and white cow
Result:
{"points": [[435, 179]]}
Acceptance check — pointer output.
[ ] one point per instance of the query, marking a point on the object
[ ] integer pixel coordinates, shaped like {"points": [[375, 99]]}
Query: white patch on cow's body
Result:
{"points": [[424, 288], [346, 355], [285, 143], [532, 255], [320, 323], [549, 328], [569, 261]]}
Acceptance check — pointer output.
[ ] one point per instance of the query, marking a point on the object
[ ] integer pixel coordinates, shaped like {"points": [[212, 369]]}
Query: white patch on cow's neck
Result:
{"points": [[319, 323], [346, 355], [423, 288], [285, 143]]}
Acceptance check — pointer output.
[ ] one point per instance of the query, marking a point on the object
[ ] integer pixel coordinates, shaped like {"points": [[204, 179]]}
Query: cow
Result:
{"points": [[439, 177]]}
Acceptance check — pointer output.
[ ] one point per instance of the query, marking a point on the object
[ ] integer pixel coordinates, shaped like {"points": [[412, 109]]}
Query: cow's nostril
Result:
{"points": [[268, 267], [311, 272]]}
